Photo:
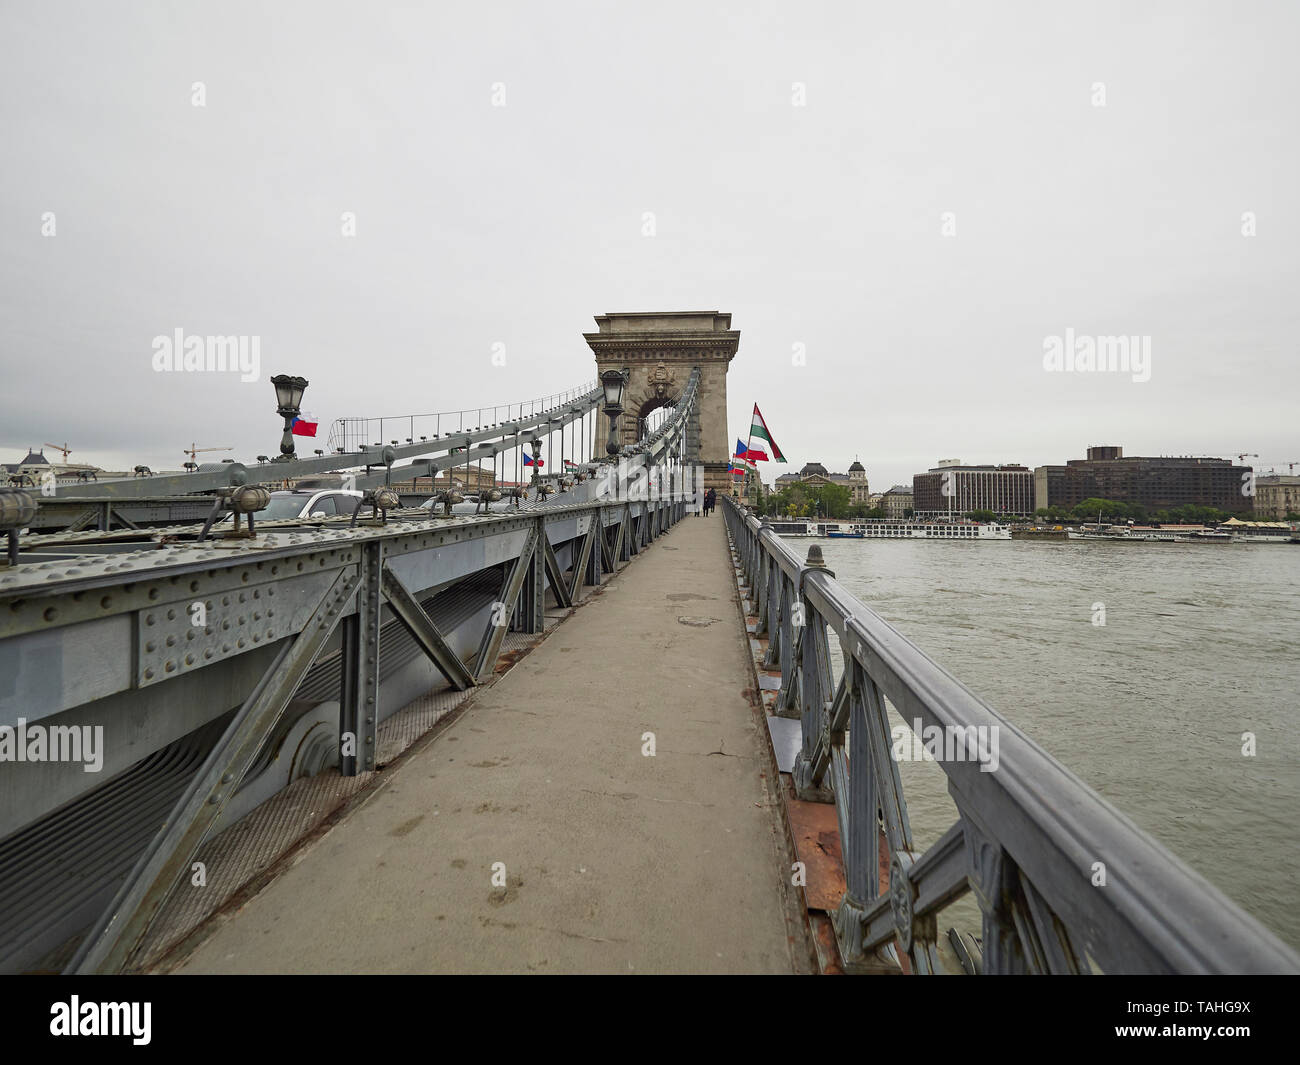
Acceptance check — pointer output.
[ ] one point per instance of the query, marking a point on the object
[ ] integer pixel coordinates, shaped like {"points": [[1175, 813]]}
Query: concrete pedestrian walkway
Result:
{"points": [[615, 861]]}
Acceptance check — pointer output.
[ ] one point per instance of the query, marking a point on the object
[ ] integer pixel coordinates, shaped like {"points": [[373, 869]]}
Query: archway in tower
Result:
{"points": [[646, 422]]}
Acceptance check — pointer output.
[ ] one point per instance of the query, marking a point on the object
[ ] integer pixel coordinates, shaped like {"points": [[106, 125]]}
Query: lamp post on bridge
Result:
{"points": [[536, 444], [613, 382], [288, 396]]}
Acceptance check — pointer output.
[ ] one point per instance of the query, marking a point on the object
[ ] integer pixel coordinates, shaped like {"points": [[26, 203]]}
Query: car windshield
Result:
{"points": [[280, 507]]}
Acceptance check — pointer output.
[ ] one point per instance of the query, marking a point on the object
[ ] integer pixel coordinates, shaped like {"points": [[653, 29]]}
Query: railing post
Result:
{"points": [[594, 559], [359, 695], [812, 686], [532, 615]]}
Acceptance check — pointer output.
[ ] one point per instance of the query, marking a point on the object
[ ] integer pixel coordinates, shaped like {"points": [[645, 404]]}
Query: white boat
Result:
{"points": [[1175, 534], [1258, 532], [890, 530]]}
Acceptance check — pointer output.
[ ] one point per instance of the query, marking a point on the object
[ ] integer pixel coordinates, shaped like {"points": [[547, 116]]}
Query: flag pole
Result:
{"points": [[745, 479]]}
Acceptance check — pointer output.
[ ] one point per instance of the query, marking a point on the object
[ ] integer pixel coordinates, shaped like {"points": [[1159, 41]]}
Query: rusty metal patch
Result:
{"points": [[815, 830]]}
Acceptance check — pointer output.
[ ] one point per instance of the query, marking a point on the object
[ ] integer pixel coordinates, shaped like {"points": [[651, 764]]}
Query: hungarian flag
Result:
{"points": [[758, 431], [304, 425], [530, 461], [570, 466]]}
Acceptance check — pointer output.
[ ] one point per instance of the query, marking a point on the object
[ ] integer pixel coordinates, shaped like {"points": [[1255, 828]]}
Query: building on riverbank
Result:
{"points": [[1276, 496], [1156, 483], [814, 473], [954, 488], [897, 502]]}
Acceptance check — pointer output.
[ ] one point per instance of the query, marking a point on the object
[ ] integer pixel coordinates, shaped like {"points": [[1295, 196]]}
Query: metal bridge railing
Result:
{"points": [[1065, 882], [352, 433]]}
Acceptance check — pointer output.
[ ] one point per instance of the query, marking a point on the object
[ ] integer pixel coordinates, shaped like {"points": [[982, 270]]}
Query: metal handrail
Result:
{"points": [[349, 433], [1065, 882], [453, 449]]}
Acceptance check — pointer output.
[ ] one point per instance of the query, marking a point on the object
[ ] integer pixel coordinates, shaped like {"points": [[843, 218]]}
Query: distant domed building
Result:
{"points": [[814, 473]]}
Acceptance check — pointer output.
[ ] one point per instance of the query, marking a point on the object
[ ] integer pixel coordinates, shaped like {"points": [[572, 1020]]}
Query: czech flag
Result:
{"points": [[530, 461], [751, 454], [740, 465], [304, 425]]}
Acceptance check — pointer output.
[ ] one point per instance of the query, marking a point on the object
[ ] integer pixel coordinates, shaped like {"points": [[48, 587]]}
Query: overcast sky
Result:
{"points": [[801, 161]]}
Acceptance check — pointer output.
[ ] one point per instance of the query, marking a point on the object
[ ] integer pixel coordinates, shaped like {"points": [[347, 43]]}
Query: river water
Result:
{"points": [[1200, 644]]}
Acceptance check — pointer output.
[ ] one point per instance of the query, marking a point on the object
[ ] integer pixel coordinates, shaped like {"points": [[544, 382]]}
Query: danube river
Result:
{"points": [[1200, 644]]}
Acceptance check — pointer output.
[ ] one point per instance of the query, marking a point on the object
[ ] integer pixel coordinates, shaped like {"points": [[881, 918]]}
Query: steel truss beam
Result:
{"points": [[554, 574], [112, 941], [503, 610], [420, 625], [580, 562]]}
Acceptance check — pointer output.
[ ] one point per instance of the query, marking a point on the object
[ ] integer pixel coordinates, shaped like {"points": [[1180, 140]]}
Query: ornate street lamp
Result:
{"points": [[288, 397], [536, 445], [613, 382]]}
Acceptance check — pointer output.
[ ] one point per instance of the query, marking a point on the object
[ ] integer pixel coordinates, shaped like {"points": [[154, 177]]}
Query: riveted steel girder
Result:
{"points": [[114, 937]]}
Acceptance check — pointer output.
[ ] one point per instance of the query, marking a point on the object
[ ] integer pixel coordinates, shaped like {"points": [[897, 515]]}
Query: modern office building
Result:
{"points": [[1155, 483], [952, 488]]}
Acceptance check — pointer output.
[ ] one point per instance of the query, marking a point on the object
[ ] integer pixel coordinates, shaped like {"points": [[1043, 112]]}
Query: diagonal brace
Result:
{"points": [[555, 575], [580, 566], [114, 938], [500, 619], [421, 626]]}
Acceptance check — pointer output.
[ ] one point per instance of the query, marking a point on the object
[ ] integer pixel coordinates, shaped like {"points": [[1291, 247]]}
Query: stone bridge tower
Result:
{"points": [[660, 350]]}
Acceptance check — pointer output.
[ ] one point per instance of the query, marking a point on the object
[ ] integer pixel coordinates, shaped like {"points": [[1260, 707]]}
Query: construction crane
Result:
{"points": [[1242, 456], [194, 449], [65, 449]]}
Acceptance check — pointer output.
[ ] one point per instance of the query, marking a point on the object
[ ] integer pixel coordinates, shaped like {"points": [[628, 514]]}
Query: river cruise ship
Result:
{"points": [[890, 530], [1230, 532]]}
